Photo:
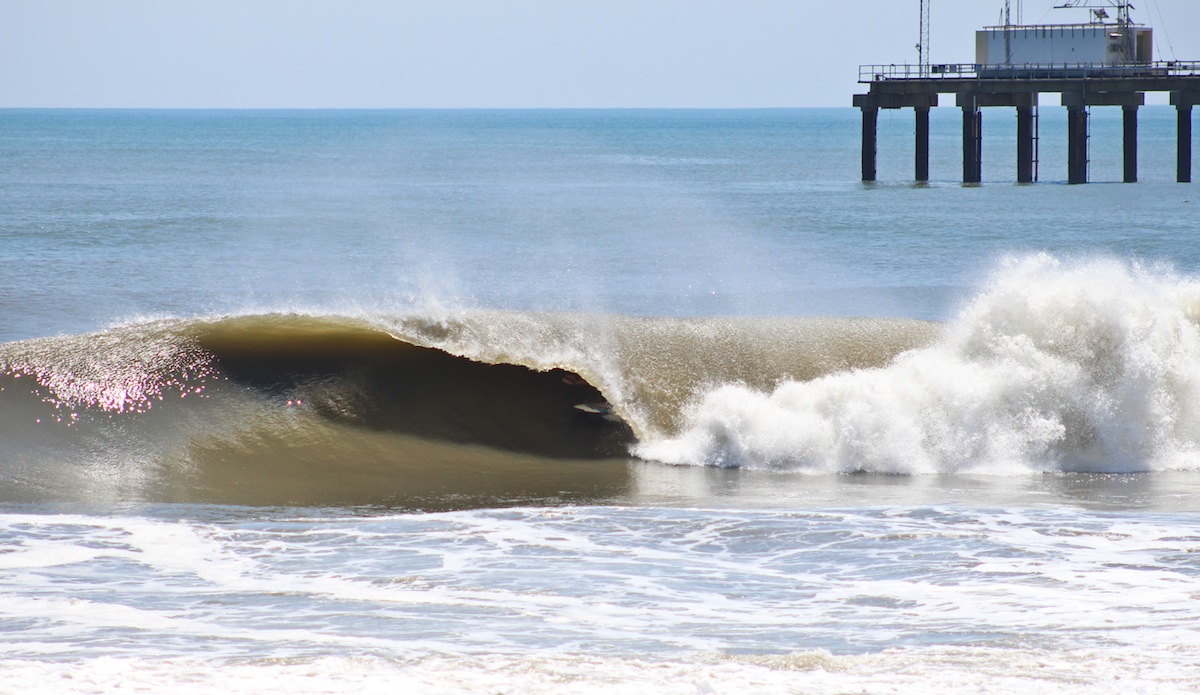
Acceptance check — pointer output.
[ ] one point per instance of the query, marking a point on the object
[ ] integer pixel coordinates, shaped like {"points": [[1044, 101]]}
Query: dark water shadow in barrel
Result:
{"points": [[369, 379]]}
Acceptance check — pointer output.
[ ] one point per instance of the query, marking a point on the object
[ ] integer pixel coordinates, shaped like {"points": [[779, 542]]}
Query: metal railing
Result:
{"points": [[1026, 71]]}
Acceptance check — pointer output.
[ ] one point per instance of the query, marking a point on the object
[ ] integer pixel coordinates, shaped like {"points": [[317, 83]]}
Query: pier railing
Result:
{"points": [[1026, 71]]}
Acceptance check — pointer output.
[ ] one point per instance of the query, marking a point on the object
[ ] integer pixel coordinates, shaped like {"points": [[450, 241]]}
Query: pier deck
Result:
{"points": [[1081, 85]]}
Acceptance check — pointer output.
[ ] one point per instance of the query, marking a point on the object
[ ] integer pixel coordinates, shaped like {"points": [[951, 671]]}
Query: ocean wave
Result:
{"points": [[423, 404], [1087, 366]]}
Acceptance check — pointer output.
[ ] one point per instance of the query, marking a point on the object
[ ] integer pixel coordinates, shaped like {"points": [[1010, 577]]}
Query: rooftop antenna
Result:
{"points": [[1007, 33], [1100, 13], [1100, 9], [923, 42], [1006, 19]]}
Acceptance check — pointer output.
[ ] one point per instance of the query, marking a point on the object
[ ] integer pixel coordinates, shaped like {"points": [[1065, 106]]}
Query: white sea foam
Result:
{"points": [[603, 599], [927, 671], [1074, 366]]}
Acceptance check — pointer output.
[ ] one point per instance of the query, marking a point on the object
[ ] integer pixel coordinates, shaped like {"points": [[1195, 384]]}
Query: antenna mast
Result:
{"points": [[1100, 13], [923, 43], [1007, 33], [1100, 9]]}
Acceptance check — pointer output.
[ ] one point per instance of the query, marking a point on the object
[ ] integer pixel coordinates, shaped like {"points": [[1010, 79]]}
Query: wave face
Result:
{"points": [[1080, 367], [285, 408]]}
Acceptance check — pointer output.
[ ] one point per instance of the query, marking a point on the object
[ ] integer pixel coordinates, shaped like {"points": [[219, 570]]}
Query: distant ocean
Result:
{"points": [[592, 401]]}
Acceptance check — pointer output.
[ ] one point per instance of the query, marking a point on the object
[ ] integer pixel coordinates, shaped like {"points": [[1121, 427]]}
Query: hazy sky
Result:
{"points": [[489, 53]]}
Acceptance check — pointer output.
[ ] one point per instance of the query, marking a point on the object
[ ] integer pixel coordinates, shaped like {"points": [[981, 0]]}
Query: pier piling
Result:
{"points": [[1025, 144], [870, 105], [870, 123], [922, 143], [1077, 103], [1130, 122], [1183, 102], [1184, 167], [972, 135], [1077, 144]]}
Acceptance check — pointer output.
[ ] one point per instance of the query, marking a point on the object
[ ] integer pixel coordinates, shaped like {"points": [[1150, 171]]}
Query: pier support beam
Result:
{"points": [[1077, 130], [972, 145], [1026, 104], [870, 105], [1183, 103], [1025, 144], [1131, 143], [1077, 144], [1184, 156], [870, 129], [971, 104], [972, 136], [922, 143]]}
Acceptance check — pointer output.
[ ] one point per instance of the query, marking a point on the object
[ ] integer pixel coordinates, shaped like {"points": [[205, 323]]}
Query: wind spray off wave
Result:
{"points": [[1087, 367]]}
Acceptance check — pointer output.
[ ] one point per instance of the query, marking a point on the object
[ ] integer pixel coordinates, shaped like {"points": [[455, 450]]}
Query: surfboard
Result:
{"points": [[601, 410]]}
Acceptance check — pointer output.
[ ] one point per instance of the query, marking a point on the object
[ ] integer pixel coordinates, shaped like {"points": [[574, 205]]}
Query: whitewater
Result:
{"points": [[292, 401], [1087, 367]]}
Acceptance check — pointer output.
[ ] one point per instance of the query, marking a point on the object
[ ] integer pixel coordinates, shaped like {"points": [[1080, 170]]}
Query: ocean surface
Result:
{"points": [[290, 402]]}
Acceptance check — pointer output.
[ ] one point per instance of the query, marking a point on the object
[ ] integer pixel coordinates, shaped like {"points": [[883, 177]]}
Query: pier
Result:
{"points": [[978, 86]]}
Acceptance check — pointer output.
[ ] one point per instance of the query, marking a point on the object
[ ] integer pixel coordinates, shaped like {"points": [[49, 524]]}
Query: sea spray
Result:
{"points": [[1056, 366]]}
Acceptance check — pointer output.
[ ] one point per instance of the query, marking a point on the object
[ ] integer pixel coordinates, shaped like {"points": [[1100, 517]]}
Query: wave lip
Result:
{"points": [[1091, 366]]}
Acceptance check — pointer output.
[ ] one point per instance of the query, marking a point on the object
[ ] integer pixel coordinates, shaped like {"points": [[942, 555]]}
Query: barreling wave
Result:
{"points": [[1080, 367], [1076, 367], [284, 408]]}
